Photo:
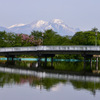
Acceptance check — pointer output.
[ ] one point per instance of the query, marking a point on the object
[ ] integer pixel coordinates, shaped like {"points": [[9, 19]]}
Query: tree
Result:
{"points": [[65, 40], [3, 39], [17, 41], [38, 37], [51, 38], [85, 38], [94, 29], [37, 34]]}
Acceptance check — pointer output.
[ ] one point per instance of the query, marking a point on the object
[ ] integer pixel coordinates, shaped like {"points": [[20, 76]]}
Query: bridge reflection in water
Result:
{"points": [[50, 75], [76, 80]]}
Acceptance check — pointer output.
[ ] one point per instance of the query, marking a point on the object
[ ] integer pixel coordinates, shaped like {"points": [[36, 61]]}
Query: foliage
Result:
{"points": [[17, 40], [48, 37], [85, 38], [12, 40], [29, 40], [37, 35], [2, 39], [94, 29], [52, 38], [69, 66]]}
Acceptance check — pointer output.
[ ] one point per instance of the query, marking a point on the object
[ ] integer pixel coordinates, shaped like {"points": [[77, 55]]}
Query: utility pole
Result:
{"points": [[42, 37], [95, 38]]}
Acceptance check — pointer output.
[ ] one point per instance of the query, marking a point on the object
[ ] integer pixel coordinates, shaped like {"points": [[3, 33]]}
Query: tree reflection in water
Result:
{"points": [[47, 83]]}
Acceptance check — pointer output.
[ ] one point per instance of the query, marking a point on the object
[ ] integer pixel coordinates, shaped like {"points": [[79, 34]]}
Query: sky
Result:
{"points": [[83, 14]]}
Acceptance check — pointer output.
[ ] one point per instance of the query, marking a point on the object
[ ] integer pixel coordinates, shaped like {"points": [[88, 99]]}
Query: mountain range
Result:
{"points": [[56, 25]]}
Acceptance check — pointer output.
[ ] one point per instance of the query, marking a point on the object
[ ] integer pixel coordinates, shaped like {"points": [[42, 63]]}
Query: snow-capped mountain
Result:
{"points": [[4, 29], [56, 25], [16, 25]]}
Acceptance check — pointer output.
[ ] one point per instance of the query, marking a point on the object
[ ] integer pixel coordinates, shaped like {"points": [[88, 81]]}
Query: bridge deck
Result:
{"points": [[53, 49]]}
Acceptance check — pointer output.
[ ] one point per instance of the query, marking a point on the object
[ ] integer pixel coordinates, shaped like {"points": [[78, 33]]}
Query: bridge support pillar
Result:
{"points": [[45, 61], [96, 63], [10, 59], [39, 61], [45, 56], [87, 57], [84, 62], [90, 63], [51, 61]]}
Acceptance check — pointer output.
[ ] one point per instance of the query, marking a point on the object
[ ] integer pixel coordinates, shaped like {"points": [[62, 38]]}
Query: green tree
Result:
{"points": [[52, 38], [37, 34], [49, 37], [12, 40], [17, 41], [38, 37], [94, 29], [3, 39], [65, 40], [85, 38]]}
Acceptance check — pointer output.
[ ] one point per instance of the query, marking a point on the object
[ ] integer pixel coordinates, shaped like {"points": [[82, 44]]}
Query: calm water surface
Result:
{"points": [[58, 92], [46, 86]]}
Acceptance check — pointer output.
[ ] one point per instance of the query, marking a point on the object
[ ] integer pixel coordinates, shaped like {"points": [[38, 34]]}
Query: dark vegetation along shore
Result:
{"points": [[49, 37]]}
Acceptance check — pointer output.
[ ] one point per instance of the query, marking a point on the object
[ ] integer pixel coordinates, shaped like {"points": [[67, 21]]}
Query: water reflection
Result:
{"points": [[58, 64], [48, 81], [61, 85], [36, 79]]}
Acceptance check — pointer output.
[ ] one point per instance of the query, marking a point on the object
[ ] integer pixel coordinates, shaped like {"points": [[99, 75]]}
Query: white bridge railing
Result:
{"points": [[51, 48]]}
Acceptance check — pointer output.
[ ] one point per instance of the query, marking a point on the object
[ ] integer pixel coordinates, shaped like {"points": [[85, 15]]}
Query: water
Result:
{"points": [[59, 92], [29, 87], [22, 84]]}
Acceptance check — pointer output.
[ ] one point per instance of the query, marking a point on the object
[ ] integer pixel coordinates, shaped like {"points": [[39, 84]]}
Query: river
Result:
{"points": [[23, 84]]}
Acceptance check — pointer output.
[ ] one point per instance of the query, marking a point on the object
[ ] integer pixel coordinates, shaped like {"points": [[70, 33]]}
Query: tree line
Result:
{"points": [[48, 37]]}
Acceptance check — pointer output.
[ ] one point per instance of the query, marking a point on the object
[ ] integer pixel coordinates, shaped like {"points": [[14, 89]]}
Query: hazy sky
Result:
{"points": [[83, 14]]}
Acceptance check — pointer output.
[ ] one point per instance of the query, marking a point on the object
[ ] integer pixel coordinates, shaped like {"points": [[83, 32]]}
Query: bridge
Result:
{"points": [[51, 51], [92, 50]]}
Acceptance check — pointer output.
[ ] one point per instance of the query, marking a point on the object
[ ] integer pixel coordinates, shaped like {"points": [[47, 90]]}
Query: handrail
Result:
{"points": [[51, 48]]}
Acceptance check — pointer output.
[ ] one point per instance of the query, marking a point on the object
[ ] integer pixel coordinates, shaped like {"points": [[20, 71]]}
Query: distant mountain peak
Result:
{"points": [[16, 25], [56, 25], [40, 23], [57, 21]]}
